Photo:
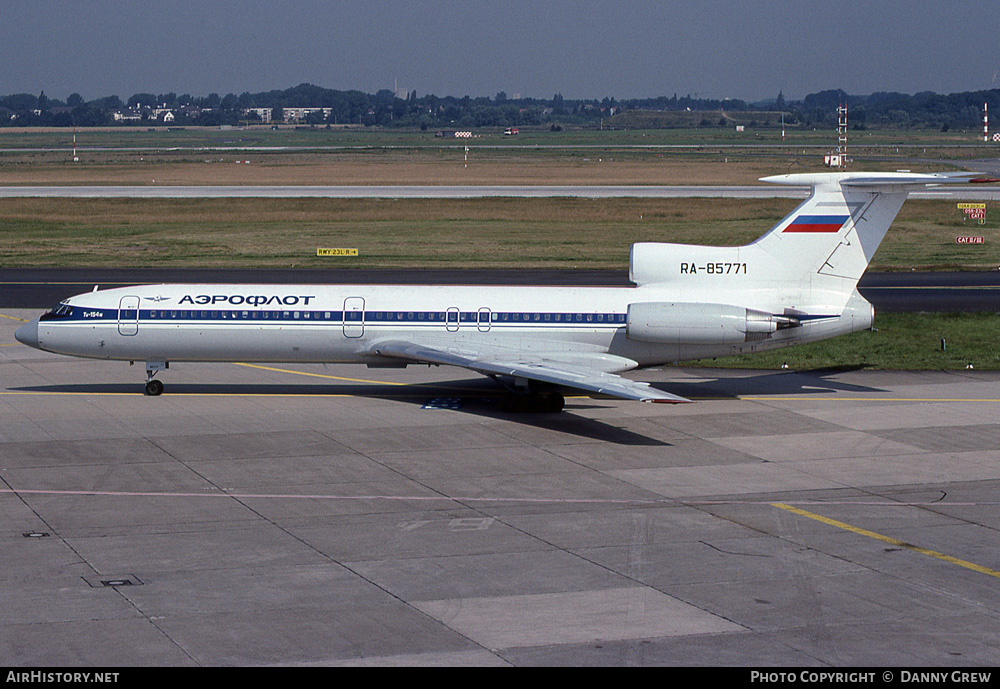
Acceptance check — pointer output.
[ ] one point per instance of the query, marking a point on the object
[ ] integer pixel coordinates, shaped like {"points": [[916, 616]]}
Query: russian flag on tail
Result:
{"points": [[817, 223]]}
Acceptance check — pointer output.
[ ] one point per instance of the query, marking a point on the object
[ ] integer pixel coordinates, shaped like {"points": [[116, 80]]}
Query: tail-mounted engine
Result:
{"points": [[686, 323]]}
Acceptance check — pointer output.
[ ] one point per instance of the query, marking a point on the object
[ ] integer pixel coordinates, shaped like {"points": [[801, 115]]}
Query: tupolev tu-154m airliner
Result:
{"points": [[795, 284]]}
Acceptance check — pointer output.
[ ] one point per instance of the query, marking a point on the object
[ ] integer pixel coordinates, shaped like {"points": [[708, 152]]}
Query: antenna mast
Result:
{"points": [[842, 131], [839, 158]]}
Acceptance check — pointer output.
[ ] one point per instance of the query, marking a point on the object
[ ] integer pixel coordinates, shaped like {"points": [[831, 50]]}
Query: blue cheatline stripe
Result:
{"points": [[467, 318], [817, 316]]}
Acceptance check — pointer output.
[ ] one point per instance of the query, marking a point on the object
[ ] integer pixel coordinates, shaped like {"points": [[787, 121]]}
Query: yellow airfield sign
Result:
{"points": [[336, 252], [974, 211]]}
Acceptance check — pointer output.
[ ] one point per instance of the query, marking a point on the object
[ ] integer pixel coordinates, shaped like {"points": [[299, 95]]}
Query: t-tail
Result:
{"points": [[806, 268]]}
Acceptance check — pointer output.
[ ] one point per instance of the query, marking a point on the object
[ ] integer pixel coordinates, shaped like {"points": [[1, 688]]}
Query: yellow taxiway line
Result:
{"points": [[888, 539], [324, 375], [869, 399]]}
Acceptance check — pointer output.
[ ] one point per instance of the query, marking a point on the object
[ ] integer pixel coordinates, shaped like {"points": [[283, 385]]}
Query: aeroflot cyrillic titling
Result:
{"points": [[252, 300]]}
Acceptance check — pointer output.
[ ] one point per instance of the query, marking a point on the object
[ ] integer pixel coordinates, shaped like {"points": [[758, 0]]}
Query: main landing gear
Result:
{"points": [[154, 387], [528, 396], [535, 401]]}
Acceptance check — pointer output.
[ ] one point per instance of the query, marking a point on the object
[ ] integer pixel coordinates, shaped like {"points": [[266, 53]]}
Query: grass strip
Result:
{"points": [[437, 233], [907, 341]]}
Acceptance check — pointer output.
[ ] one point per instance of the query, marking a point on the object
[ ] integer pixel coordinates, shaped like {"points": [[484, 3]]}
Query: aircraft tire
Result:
{"points": [[154, 388], [552, 402]]}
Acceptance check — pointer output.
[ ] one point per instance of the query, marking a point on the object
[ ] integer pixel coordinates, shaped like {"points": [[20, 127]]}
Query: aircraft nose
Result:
{"points": [[28, 334]]}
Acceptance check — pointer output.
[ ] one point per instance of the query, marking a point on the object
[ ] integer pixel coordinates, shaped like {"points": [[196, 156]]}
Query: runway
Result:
{"points": [[335, 515], [403, 192], [454, 192]]}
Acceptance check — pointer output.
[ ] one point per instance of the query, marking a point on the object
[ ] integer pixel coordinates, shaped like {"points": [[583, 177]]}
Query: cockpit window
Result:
{"points": [[59, 311]]}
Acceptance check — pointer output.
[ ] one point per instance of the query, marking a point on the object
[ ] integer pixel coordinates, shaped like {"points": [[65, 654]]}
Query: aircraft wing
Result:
{"points": [[573, 373]]}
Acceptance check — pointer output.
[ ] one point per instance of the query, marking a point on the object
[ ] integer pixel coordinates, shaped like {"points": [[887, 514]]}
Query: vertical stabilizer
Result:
{"points": [[835, 232], [813, 258], [829, 240]]}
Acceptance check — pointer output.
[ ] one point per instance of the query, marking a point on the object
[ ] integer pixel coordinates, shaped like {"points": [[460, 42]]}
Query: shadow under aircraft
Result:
{"points": [[481, 397]]}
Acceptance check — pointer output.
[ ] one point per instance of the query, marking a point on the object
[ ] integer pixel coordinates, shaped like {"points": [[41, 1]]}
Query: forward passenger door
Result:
{"points": [[128, 316]]}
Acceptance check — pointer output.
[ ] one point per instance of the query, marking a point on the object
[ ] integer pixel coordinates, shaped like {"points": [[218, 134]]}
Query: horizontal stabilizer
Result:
{"points": [[890, 181]]}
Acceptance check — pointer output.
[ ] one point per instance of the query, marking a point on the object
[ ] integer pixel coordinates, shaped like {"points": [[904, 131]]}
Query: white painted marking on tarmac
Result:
{"points": [[455, 498]]}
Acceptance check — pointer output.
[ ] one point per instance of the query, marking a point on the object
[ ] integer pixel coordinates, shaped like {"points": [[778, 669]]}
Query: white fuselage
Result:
{"points": [[342, 323]]}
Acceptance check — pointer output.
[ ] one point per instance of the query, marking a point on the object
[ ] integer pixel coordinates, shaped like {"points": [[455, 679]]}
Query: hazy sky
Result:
{"points": [[746, 49]]}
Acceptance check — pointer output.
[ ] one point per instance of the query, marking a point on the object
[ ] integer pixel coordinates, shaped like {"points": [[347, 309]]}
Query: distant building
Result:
{"points": [[299, 114], [263, 113], [162, 113], [129, 115]]}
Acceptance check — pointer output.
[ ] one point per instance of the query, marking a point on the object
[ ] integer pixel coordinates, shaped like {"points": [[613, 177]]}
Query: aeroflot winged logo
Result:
{"points": [[250, 299], [817, 223]]}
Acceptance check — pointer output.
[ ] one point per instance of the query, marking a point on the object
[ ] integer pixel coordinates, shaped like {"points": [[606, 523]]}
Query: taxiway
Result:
{"points": [[297, 515], [968, 292], [452, 192]]}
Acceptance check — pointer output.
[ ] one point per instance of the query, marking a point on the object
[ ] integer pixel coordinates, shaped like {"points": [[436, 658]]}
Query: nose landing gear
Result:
{"points": [[154, 387]]}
